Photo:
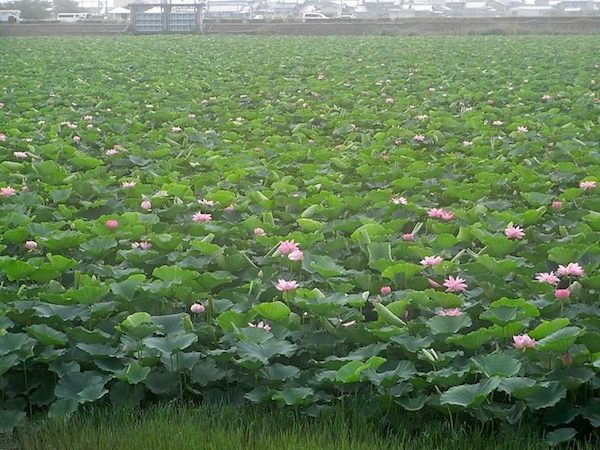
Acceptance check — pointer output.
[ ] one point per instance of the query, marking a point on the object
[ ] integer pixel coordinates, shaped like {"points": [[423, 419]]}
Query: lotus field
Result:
{"points": [[297, 221]]}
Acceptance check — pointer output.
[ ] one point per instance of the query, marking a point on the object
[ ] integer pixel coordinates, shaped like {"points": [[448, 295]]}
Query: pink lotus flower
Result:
{"points": [[111, 152], [2, 137], [523, 341], [435, 213], [128, 184], [20, 155], [263, 325], [296, 255], [430, 261], [175, 129], [197, 308], [408, 237], [399, 201], [455, 284], [452, 312], [566, 359], [385, 290], [7, 192], [144, 245], [570, 270], [440, 213], [76, 139], [547, 277], [587, 185], [557, 204], [348, 324], [30, 245], [286, 286], [562, 294], [205, 202], [419, 138], [522, 129], [446, 216], [514, 232], [146, 205], [286, 247], [259, 232], [111, 224], [202, 217]]}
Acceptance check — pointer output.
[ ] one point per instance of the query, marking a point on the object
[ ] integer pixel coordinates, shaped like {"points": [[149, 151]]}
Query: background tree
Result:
{"points": [[31, 9], [66, 6]]}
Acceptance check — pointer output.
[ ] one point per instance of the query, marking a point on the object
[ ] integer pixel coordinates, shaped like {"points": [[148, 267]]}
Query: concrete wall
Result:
{"points": [[414, 26]]}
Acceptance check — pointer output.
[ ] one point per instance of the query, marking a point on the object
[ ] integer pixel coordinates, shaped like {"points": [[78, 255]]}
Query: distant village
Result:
{"points": [[380, 9]]}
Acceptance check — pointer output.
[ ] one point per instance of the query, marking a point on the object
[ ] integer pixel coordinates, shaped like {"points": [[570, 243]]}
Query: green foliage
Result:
{"points": [[306, 148]]}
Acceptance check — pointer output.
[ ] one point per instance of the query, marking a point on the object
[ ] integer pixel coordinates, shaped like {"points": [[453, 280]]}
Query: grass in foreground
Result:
{"points": [[167, 427]]}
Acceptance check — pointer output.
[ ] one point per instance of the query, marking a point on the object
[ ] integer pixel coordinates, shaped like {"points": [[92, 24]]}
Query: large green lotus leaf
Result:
{"points": [[133, 374], [309, 225], [98, 247], [498, 364], [60, 263], [566, 255], [593, 220], [379, 251], [406, 270], [273, 310], [322, 305], [444, 241], [473, 340], [520, 387], [16, 270], [548, 327], [412, 403], [412, 344], [549, 395], [469, 395], [499, 245], [212, 280], [368, 233], [172, 323], [47, 335], [263, 352], [11, 342], [63, 408], [351, 371], [560, 436], [560, 340], [572, 377], [446, 299], [403, 371], [174, 274], [10, 419], [293, 396], [128, 288], [81, 386], [448, 324], [229, 319], [280, 372], [172, 343], [206, 371], [323, 265], [138, 325], [591, 411], [498, 267], [385, 315]]}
